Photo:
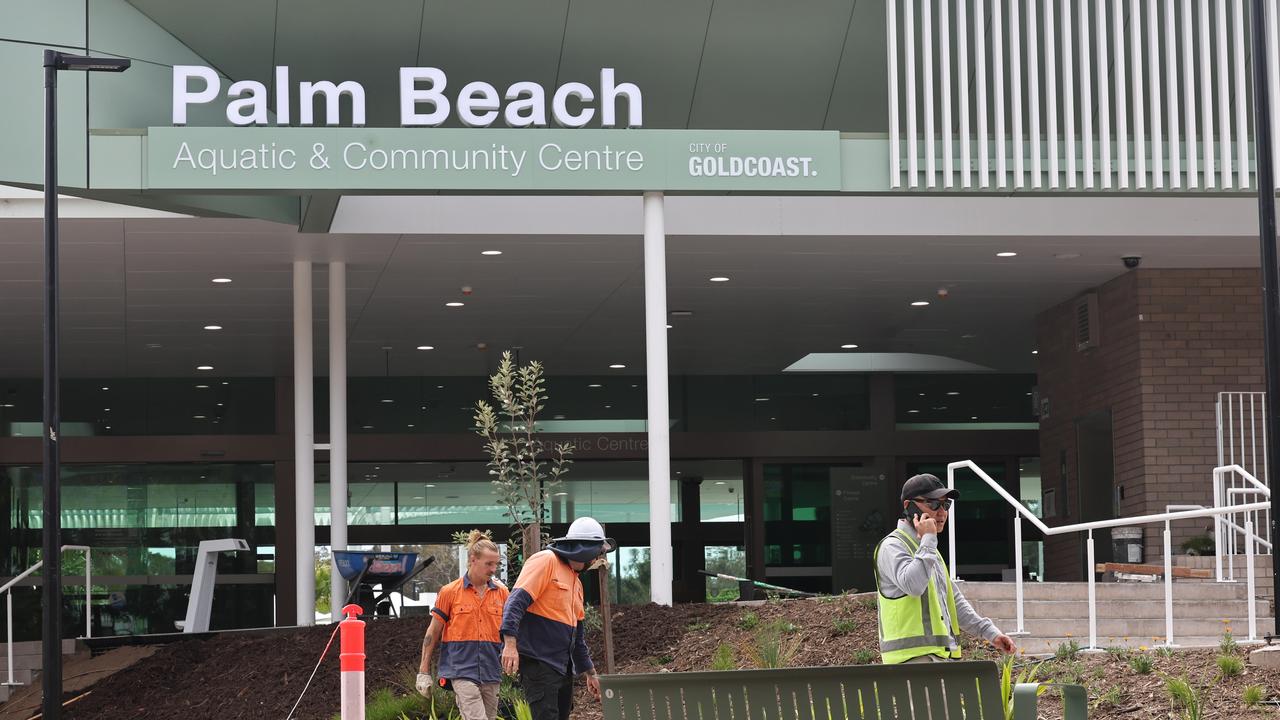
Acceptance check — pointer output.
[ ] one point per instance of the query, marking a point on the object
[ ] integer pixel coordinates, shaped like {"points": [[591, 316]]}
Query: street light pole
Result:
{"points": [[51, 502], [1270, 271]]}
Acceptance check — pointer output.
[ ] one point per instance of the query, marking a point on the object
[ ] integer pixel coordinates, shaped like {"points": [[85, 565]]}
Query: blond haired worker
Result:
{"points": [[465, 624]]}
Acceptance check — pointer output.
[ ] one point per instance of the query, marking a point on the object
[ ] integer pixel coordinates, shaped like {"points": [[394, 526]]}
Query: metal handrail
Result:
{"points": [[7, 589], [1022, 511], [1222, 498]]}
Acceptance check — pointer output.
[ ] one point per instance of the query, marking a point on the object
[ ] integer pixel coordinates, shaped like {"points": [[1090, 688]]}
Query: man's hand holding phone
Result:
{"points": [[925, 524]]}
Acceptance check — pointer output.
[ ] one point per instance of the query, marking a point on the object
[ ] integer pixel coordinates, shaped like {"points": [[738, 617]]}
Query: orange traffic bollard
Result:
{"points": [[351, 661]]}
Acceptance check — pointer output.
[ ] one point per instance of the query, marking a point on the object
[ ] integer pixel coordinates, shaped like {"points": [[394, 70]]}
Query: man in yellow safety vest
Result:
{"points": [[921, 611]]}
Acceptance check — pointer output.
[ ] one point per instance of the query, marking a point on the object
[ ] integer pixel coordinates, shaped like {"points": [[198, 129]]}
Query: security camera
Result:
{"points": [[1131, 261]]}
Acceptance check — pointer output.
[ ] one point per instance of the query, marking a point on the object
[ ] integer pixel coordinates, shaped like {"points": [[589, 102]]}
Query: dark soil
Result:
{"points": [[237, 676]]}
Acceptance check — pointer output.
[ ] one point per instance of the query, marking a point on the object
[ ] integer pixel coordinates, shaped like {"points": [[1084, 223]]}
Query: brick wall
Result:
{"points": [[1169, 341]]}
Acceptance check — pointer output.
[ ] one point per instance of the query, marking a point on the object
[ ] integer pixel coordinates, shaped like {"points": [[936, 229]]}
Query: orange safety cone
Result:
{"points": [[351, 661]]}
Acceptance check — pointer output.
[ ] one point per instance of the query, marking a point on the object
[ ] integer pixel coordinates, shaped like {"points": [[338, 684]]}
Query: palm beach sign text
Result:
{"points": [[423, 100], [312, 136]]}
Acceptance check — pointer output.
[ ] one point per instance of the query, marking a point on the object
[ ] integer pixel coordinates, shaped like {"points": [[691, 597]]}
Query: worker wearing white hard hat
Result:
{"points": [[543, 630]]}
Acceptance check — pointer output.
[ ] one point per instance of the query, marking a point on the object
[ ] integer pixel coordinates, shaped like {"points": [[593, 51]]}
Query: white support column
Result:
{"points": [[337, 426], [304, 445], [658, 425]]}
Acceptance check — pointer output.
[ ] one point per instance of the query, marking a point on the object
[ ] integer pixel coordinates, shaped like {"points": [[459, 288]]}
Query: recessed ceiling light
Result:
{"points": [[104, 387], [197, 417], [595, 385], [617, 366], [920, 394], [1006, 254], [720, 482], [968, 336], [558, 417], [426, 347], [491, 252], [387, 400], [453, 304], [204, 367], [920, 303], [224, 382], [974, 417], [7, 405], [106, 409], [669, 327], [202, 387], [608, 407], [849, 346], [220, 404], [428, 485], [366, 427], [815, 395], [559, 494], [719, 278], [212, 327], [409, 425], [108, 427], [762, 399], [222, 281], [1035, 352], [773, 418], [953, 392]]}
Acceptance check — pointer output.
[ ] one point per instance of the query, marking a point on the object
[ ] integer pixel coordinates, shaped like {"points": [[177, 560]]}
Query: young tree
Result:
{"points": [[524, 468]]}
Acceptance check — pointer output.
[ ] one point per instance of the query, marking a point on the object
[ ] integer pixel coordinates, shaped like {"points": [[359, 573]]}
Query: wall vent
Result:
{"points": [[1086, 321]]}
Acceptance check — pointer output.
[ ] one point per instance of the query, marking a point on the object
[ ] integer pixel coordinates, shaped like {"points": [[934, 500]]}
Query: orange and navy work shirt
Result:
{"points": [[545, 614], [470, 648]]}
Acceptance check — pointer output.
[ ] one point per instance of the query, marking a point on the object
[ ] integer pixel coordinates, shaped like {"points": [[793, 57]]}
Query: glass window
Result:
{"points": [[964, 401], [797, 515], [983, 518], [771, 402], [727, 560], [155, 406]]}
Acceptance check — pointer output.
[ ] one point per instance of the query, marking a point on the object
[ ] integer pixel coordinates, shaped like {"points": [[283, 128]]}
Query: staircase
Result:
{"points": [[27, 661], [1129, 614]]}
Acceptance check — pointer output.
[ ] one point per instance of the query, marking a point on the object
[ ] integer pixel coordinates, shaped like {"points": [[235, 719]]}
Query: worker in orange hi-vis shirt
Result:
{"points": [[543, 635], [464, 622]]}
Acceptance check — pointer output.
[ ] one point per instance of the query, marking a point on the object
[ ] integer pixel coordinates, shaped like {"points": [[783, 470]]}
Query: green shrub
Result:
{"points": [[592, 619], [750, 621], [867, 602], [1185, 698], [1228, 643], [1007, 683], [1164, 651], [1118, 652], [1141, 664], [699, 626], [723, 659], [864, 656], [1113, 697], [1230, 666], [771, 650], [844, 626], [385, 705], [1253, 695], [1069, 650]]}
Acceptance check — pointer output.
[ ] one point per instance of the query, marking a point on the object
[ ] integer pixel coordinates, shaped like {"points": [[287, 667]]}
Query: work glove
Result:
{"points": [[423, 684]]}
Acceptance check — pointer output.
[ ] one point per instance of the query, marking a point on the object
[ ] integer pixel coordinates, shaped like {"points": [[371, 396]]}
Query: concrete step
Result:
{"points": [[34, 647], [1205, 592], [21, 675], [1142, 630], [1049, 645], [1121, 609]]}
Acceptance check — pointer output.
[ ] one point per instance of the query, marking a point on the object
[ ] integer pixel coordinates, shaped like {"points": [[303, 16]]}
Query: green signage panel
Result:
{"points": [[407, 159]]}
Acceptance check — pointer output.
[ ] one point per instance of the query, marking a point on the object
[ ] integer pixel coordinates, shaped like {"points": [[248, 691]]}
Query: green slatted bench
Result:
{"points": [[937, 691]]}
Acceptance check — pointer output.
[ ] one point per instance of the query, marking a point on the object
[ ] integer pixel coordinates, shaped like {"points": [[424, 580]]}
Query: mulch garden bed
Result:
{"points": [[241, 676]]}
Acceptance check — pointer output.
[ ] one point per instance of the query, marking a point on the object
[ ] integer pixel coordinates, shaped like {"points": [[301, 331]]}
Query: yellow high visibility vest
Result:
{"points": [[907, 624]]}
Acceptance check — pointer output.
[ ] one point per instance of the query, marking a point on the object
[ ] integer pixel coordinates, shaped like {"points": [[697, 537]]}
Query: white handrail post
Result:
{"points": [[1217, 522], [1168, 585], [951, 520], [88, 608], [8, 610], [1093, 606], [1017, 566], [1248, 558]]}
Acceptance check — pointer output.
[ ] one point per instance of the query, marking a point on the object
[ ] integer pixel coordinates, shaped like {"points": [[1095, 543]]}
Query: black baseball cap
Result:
{"points": [[927, 486]]}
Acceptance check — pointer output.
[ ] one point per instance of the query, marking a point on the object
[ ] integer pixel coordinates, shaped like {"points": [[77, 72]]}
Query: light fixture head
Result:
{"points": [[212, 327], [920, 303], [204, 368], [426, 347], [221, 280], [719, 278], [491, 252], [63, 61], [453, 304], [1006, 254], [849, 346], [617, 366]]}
